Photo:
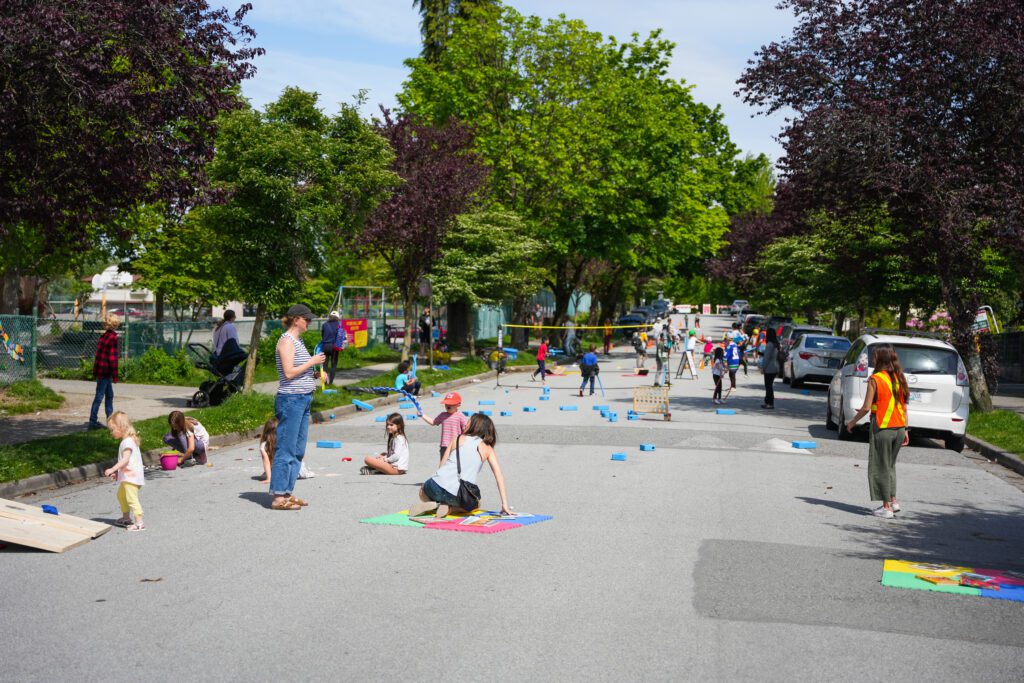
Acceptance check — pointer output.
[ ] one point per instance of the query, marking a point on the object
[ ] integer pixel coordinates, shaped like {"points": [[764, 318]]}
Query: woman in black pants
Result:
{"points": [[770, 366]]}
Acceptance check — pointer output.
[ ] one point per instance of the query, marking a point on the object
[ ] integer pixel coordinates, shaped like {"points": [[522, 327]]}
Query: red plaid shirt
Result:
{"points": [[105, 364]]}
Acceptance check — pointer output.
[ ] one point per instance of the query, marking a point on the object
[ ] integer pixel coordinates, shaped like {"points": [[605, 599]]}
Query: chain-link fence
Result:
{"points": [[18, 342]]}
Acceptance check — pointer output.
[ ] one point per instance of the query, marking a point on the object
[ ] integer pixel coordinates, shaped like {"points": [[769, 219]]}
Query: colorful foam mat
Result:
{"points": [[479, 522], [946, 578]]}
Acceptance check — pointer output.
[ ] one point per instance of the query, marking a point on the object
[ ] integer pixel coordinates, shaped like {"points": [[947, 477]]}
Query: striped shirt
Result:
{"points": [[302, 384], [452, 424]]}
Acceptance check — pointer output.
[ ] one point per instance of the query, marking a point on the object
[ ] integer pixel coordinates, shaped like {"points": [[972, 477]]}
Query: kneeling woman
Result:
{"points": [[441, 490]]}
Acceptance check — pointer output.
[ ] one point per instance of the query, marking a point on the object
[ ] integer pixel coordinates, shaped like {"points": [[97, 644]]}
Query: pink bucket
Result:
{"points": [[169, 461]]}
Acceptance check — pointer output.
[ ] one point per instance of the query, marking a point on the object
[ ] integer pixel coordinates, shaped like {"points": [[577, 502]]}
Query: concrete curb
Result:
{"points": [[78, 475], [1004, 458]]}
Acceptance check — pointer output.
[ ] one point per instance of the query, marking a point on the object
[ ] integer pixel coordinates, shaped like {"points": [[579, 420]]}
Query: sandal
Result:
{"points": [[135, 527], [123, 523], [285, 504], [297, 501]]}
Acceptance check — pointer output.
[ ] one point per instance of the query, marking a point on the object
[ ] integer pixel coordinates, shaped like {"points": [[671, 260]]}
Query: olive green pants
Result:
{"points": [[883, 447]]}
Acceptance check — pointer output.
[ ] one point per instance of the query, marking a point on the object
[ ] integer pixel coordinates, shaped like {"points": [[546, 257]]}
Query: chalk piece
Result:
{"points": [[346, 459], [328, 444], [404, 404], [330, 391], [725, 411], [805, 444], [411, 416], [361, 405], [506, 413], [619, 457], [646, 447], [545, 398], [633, 417], [529, 409], [381, 418], [600, 408], [568, 408], [488, 413], [485, 403], [805, 392]]}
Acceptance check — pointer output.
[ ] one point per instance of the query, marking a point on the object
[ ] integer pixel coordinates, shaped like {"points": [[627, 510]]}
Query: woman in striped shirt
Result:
{"points": [[296, 383]]}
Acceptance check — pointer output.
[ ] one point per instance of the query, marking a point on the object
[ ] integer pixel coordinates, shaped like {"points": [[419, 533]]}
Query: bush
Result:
{"points": [[156, 367]]}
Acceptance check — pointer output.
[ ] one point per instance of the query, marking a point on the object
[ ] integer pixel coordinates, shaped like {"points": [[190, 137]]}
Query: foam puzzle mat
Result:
{"points": [[946, 578], [479, 522]]}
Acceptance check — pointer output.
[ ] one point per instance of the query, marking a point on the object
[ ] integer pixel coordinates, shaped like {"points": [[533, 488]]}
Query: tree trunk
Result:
{"points": [[458, 323], [9, 291], [904, 311], [981, 400], [254, 346], [159, 307]]}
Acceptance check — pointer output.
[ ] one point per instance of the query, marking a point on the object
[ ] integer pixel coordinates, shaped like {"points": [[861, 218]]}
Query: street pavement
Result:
{"points": [[723, 555]]}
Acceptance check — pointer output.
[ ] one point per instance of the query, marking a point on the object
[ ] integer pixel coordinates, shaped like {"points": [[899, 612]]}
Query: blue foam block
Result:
{"points": [[805, 444], [633, 417], [49, 509], [725, 411], [441, 367], [604, 413], [544, 398], [599, 408], [488, 413], [330, 391], [529, 409], [405, 404], [468, 413], [613, 417], [435, 394], [485, 403], [381, 418], [506, 413], [805, 392], [568, 407], [328, 444], [546, 390], [411, 416], [619, 457], [361, 405], [647, 446], [332, 416]]}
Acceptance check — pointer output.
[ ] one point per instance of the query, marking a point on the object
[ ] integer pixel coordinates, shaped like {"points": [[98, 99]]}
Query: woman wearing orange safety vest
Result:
{"points": [[886, 400]]}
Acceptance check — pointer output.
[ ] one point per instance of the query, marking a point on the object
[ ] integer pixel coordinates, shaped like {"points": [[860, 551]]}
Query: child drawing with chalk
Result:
{"points": [[451, 421], [127, 471], [395, 459]]}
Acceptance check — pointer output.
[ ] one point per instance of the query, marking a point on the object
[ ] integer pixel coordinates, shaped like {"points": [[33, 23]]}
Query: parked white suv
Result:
{"points": [[939, 388]]}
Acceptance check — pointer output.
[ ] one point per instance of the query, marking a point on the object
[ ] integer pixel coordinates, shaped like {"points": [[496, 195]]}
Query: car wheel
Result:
{"points": [[830, 423], [954, 443], [844, 433]]}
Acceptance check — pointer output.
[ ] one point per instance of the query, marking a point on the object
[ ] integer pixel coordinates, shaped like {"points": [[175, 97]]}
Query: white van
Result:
{"points": [[940, 398]]}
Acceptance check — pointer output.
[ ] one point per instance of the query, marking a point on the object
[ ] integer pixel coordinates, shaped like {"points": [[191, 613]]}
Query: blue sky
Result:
{"points": [[337, 47]]}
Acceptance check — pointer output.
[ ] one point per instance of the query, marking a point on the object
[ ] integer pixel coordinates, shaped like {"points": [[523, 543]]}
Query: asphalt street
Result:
{"points": [[725, 554]]}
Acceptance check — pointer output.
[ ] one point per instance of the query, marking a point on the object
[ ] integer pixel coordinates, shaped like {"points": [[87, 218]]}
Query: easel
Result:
{"points": [[686, 362]]}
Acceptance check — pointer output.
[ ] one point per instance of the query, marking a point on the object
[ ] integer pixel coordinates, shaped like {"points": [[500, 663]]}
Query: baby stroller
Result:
{"points": [[228, 370]]}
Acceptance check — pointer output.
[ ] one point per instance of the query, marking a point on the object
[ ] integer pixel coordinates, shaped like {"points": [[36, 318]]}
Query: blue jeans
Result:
{"points": [[591, 379], [105, 393], [438, 494], [292, 412]]}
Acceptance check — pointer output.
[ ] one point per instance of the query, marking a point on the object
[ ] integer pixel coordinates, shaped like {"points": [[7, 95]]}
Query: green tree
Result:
{"points": [[295, 181], [436, 17]]}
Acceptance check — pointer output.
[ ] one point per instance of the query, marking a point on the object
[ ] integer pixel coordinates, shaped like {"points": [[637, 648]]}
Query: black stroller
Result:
{"points": [[228, 370]]}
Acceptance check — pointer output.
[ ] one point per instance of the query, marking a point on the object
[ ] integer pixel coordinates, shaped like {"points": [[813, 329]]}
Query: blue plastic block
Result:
{"points": [[506, 413], [604, 413], [544, 398], [725, 411], [328, 444], [50, 510], [435, 394], [529, 409], [485, 403], [411, 416], [361, 405], [805, 444], [488, 413], [468, 413], [568, 408], [613, 417], [330, 391], [404, 404], [599, 408], [647, 447], [805, 392], [381, 418], [619, 457], [546, 390], [634, 416]]}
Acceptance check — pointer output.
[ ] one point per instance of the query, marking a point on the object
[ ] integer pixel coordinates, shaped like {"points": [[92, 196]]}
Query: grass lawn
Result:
{"points": [[28, 396], [239, 413], [1002, 428]]}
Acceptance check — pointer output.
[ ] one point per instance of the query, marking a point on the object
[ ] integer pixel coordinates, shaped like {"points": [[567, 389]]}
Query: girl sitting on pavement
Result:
{"points": [[395, 460], [128, 471], [268, 442], [467, 453], [189, 437]]}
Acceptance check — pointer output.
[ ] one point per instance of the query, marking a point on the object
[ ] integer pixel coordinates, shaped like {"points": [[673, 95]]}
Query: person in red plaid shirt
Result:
{"points": [[104, 369]]}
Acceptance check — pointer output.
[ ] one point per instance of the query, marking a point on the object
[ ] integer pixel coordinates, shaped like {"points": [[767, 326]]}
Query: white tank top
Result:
{"points": [[302, 384], [448, 477]]}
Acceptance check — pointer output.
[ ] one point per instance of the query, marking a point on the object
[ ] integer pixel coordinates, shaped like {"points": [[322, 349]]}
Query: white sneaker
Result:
{"points": [[895, 506], [883, 512], [305, 472]]}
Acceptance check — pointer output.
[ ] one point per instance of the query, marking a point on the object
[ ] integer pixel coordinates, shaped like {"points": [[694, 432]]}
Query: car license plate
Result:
{"points": [[834, 362], [915, 396]]}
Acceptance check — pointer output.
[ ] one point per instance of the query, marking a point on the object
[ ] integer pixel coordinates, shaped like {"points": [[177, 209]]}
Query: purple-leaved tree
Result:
{"points": [[440, 178], [913, 106]]}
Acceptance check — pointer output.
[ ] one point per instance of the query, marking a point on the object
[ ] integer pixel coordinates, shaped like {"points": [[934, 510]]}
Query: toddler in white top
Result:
{"points": [[128, 471], [396, 459]]}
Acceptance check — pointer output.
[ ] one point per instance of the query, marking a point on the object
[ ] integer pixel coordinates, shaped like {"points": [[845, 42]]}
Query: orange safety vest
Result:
{"points": [[889, 412]]}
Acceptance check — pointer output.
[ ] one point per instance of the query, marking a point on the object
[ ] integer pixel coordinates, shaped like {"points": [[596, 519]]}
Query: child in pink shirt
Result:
{"points": [[452, 422]]}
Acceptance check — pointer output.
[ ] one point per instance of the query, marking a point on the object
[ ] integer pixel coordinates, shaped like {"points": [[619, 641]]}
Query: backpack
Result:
{"points": [[341, 339]]}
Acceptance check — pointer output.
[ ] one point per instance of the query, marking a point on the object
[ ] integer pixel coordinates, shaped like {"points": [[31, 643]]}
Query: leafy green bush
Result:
{"points": [[156, 367]]}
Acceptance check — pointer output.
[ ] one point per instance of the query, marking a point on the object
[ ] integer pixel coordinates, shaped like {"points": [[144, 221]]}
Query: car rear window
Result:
{"points": [[924, 360], [827, 343]]}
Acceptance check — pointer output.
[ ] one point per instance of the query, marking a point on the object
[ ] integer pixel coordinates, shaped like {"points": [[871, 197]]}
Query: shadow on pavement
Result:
{"points": [[836, 505], [261, 498]]}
